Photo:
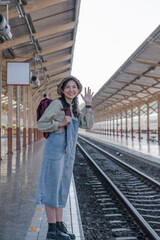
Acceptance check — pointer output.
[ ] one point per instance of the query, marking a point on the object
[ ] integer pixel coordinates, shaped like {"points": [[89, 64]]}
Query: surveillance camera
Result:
{"points": [[35, 80], [3, 22], [5, 28], [45, 95]]}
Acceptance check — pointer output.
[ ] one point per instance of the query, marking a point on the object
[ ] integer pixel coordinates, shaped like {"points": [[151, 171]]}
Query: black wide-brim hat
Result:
{"points": [[59, 88]]}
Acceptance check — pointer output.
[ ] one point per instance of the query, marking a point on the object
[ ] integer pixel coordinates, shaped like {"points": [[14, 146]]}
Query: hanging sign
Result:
{"points": [[18, 73]]}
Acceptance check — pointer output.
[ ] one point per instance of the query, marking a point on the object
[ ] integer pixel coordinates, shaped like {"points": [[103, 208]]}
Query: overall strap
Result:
{"points": [[67, 113], [66, 142]]}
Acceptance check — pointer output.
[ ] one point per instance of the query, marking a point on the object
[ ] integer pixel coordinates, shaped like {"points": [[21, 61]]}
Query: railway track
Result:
{"points": [[136, 214]]}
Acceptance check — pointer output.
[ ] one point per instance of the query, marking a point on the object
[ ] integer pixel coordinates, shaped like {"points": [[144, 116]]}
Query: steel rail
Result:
{"points": [[153, 181], [139, 219]]}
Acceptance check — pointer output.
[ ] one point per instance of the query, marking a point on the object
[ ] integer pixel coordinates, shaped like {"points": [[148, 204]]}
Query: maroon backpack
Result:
{"points": [[44, 103]]}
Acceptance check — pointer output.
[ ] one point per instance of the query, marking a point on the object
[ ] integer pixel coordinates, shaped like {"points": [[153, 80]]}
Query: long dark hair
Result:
{"points": [[67, 105]]}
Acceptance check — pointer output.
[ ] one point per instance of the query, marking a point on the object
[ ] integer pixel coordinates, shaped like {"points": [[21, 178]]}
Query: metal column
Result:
{"points": [[110, 123], [18, 119], [29, 115], [10, 116], [132, 123], [113, 125], [0, 103], [126, 115], [159, 120], [147, 122], [121, 124], [117, 123], [107, 125], [24, 114], [139, 123]]}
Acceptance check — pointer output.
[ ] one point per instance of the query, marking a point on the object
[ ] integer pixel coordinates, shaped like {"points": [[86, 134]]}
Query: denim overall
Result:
{"points": [[57, 167]]}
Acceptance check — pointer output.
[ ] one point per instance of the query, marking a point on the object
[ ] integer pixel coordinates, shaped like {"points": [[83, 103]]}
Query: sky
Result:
{"points": [[108, 33]]}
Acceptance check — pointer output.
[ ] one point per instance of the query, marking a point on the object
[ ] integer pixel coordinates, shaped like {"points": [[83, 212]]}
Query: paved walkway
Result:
{"points": [[19, 175], [71, 216]]}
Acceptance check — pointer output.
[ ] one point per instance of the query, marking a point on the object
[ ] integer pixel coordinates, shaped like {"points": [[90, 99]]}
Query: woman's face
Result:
{"points": [[70, 91]]}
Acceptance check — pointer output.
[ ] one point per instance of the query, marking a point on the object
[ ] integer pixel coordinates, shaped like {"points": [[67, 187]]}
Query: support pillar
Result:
{"points": [[159, 120], [139, 123], [110, 123], [147, 122], [10, 115], [18, 119], [35, 120], [113, 126], [126, 115], [132, 124], [35, 134], [38, 135], [29, 115], [117, 123], [24, 115], [121, 124], [0, 104], [107, 125]]}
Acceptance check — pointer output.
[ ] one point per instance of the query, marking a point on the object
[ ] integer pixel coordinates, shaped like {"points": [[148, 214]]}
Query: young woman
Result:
{"points": [[59, 152]]}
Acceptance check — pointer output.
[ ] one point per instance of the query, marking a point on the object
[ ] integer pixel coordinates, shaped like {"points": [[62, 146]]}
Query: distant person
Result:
{"points": [[59, 152]]}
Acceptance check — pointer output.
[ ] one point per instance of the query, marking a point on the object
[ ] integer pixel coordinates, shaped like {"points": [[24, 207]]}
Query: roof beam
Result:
{"points": [[141, 75], [46, 51], [127, 96], [56, 48], [58, 69], [135, 95], [59, 76], [147, 63], [57, 60], [33, 7], [134, 83], [53, 49], [156, 42], [132, 104], [53, 94], [124, 88], [144, 86], [141, 99], [54, 61], [44, 33], [52, 71], [17, 59]]}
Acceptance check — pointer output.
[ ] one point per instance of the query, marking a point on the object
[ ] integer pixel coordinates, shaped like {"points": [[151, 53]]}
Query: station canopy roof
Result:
{"points": [[135, 83], [44, 33]]}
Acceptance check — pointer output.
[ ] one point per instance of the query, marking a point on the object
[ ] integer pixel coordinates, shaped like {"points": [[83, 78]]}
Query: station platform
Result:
{"points": [[147, 152], [20, 218], [71, 216]]}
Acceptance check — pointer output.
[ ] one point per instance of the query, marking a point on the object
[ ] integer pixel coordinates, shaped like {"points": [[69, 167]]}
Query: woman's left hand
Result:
{"points": [[87, 97]]}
